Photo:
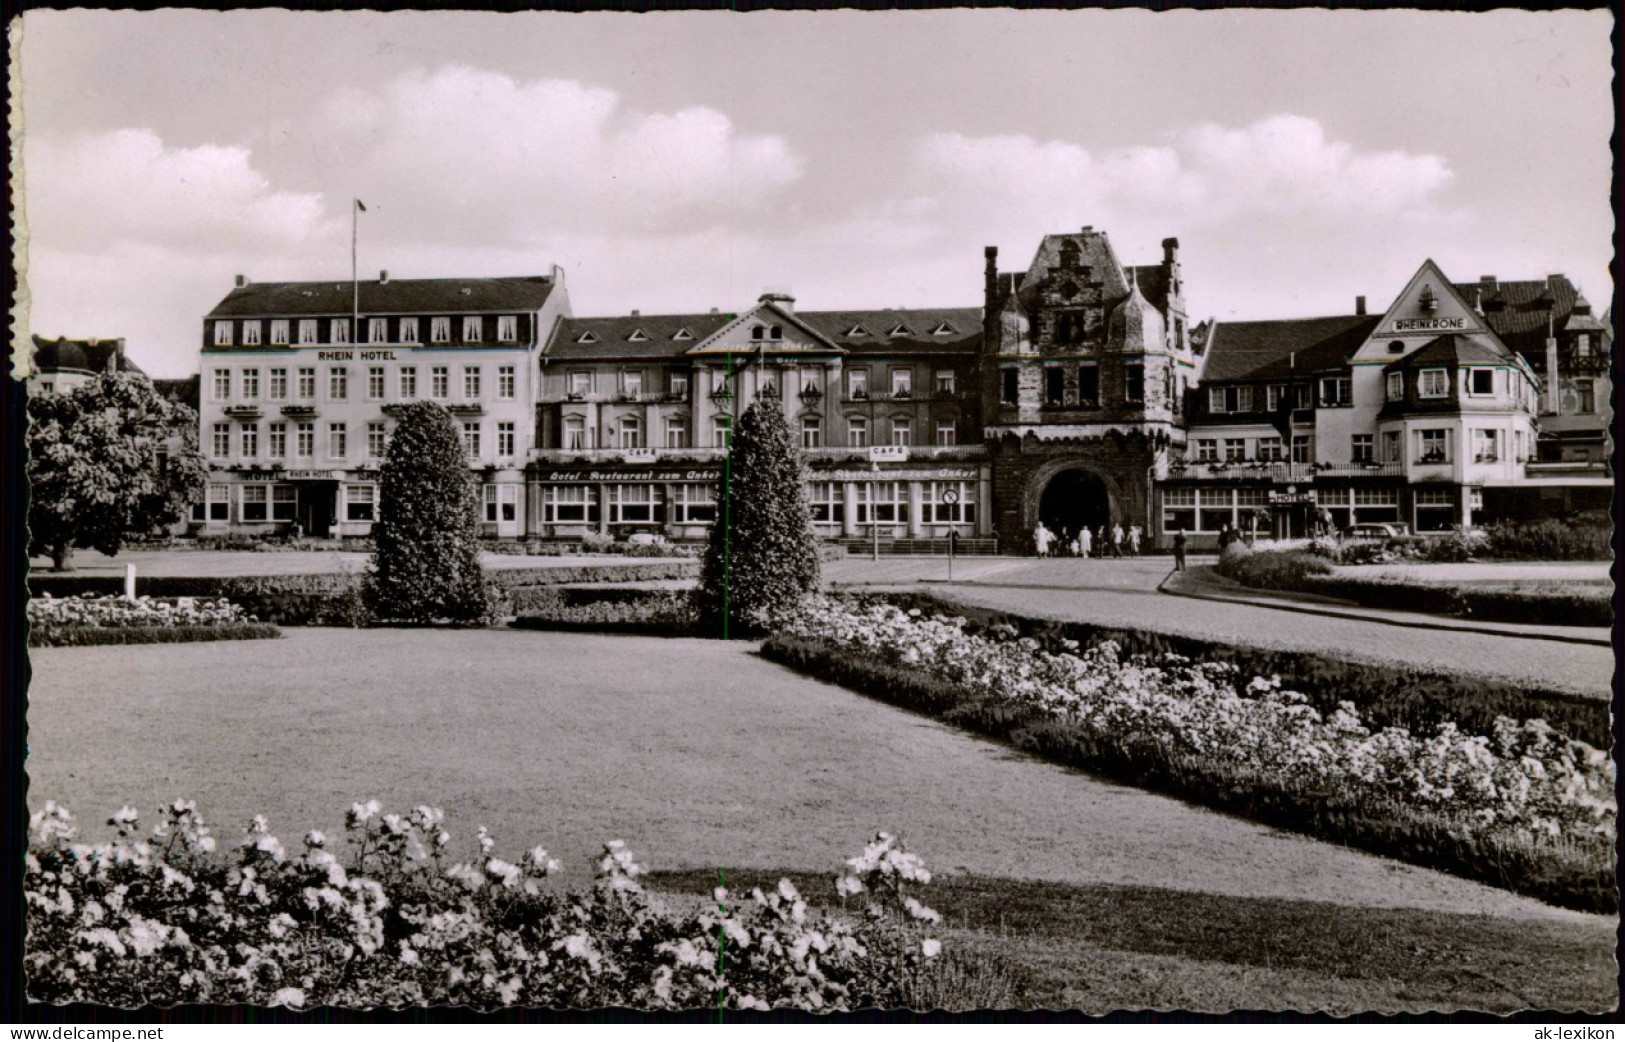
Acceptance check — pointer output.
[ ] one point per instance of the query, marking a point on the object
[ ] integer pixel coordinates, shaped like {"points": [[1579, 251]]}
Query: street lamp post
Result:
{"points": [[874, 514]]}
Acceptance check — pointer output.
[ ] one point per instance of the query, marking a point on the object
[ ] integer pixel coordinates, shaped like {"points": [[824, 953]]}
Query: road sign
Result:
{"points": [[950, 496]]}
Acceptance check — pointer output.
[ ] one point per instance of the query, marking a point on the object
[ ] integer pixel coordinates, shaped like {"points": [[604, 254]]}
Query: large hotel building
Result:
{"points": [[1078, 393]]}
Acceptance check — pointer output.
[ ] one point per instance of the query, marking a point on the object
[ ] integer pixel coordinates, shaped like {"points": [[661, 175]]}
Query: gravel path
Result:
{"points": [[697, 753]]}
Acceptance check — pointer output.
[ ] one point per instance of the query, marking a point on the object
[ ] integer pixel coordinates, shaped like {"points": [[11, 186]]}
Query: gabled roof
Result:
{"points": [[397, 296], [1519, 311], [612, 337], [1266, 350], [1094, 252], [1451, 348], [91, 356]]}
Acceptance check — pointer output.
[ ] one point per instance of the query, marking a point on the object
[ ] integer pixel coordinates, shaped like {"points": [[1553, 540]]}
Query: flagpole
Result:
{"points": [[355, 275]]}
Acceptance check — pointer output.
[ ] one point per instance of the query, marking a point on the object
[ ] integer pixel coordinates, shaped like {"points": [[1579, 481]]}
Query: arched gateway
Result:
{"points": [[1068, 494]]}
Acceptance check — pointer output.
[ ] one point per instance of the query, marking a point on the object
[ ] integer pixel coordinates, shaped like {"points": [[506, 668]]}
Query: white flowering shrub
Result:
{"points": [[144, 612], [1523, 781], [166, 918]]}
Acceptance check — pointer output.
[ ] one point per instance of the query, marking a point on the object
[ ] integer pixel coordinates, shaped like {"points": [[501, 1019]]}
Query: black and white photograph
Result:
{"points": [[755, 514]]}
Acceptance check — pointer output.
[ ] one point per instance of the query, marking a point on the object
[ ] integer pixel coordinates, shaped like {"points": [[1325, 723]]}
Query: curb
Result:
{"points": [[1333, 613]]}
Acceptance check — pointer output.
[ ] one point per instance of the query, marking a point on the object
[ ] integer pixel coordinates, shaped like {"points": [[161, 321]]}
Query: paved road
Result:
{"points": [[1124, 593]]}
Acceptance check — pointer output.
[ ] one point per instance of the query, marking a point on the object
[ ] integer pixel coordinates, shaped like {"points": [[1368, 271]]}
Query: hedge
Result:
{"points": [[604, 609], [1563, 874], [1385, 694], [96, 636]]}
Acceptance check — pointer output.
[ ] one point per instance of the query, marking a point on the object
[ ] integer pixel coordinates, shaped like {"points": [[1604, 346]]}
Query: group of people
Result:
{"points": [[1087, 542]]}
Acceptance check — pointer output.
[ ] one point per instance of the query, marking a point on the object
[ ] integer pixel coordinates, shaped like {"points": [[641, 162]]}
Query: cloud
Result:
{"points": [[472, 153]]}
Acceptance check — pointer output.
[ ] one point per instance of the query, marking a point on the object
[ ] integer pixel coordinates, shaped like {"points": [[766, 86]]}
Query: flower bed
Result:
{"points": [[1522, 808], [166, 919], [604, 609], [88, 620]]}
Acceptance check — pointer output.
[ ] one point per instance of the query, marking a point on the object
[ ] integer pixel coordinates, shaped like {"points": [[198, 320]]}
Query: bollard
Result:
{"points": [[129, 582]]}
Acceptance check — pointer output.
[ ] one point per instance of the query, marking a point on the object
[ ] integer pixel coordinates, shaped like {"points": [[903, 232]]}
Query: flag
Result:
{"points": [[359, 205]]}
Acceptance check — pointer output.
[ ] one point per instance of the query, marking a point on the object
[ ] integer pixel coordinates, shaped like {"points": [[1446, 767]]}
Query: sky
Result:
{"points": [[683, 161]]}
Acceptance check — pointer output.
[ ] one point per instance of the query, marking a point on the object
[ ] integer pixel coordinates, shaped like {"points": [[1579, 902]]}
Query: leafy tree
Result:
{"points": [[762, 556], [109, 460], [426, 556]]}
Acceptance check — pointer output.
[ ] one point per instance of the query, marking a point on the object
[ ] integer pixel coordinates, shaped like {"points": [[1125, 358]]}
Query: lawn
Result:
{"points": [[704, 757]]}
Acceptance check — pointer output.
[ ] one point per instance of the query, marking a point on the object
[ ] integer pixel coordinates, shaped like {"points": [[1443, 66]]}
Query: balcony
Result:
{"points": [[243, 412], [466, 408], [835, 454], [1279, 472], [299, 410]]}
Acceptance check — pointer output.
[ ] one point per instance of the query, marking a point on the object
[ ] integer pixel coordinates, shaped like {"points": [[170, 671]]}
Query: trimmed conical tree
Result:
{"points": [[426, 556], [763, 556]]}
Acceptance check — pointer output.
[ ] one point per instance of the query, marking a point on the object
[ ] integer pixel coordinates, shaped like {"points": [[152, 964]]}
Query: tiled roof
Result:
{"points": [[1525, 307], [90, 356], [1450, 348], [186, 390], [1153, 282], [613, 335], [1265, 350], [397, 296]]}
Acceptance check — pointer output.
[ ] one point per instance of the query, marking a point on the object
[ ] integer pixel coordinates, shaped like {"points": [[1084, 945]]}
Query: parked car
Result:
{"points": [[1377, 530]]}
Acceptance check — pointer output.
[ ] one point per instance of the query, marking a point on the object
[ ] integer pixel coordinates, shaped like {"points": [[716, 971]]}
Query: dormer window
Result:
{"points": [[279, 331], [507, 328], [1396, 387], [901, 330], [776, 333], [943, 329], [222, 334], [409, 330], [638, 336], [378, 330], [1582, 346], [1433, 383], [440, 329], [307, 331], [1481, 382], [758, 332], [857, 331], [339, 331], [251, 333], [589, 337], [682, 334], [471, 329]]}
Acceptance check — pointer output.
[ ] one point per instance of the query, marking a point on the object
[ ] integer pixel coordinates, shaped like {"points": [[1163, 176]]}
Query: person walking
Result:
{"points": [[1179, 550], [1041, 538], [1224, 538], [1086, 542], [1134, 540], [1117, 541]]}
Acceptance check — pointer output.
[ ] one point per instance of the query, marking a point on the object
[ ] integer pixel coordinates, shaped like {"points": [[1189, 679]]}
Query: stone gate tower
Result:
{"points": [[1085, 364]]}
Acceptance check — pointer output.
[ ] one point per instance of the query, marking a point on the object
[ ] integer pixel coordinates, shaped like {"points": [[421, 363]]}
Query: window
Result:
{"points": [[1433, 383], [409, 382], [825, 499], [248, 438], [575, 432], [1272, 450], [1089, 385], [693, 504], [1480, 382], [440, 382], [338, 331], [1301, 396], [882, 502], [472, 378], [676, 432], [307, 331], [1054, 385], [1134, 382], [679, 385], [1207, 450], [505, 382], [256, 502], [1230, 399], [812, 432], [1215, 509], [1336, 391], [1585, 392], [633, 504], [279, 385], [471, 329], [501, 503], [284, 502], [1433, 446], [567, 504], [338, 444], [857, 383], [1390, 446], [580, 384], [1303, 448], [1396, 387], [307, 383], [857, 432], [338, 384], [631, 433], [440, 330], [305, 440], [222, 334], [902, 431], [505, 439], [471, 438], [1235, 450], [945, 381], [219, 502], [507, 328], [251, 333], [1178, 509], [1486, 445], [375, 440], [962, 512], [375, 383], [902, 383], [631, 383], [359, 502], [409, 330], [377, 330], [1009, 386], [276, 441], [220, 444], [1363, 448], [720, 427], [947, 433], [768, 384], [1273, 395], [279, 331], [1435, 509], [1376, 504]]}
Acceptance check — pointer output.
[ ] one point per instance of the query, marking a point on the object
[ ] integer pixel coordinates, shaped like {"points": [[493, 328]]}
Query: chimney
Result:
{"points": [[636, 313], [1088, 229], [242, 280], [1170, 251], [383, 277], [990, 277], [714, 311], [558, 275], [1359, 305], [781, 296]]}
